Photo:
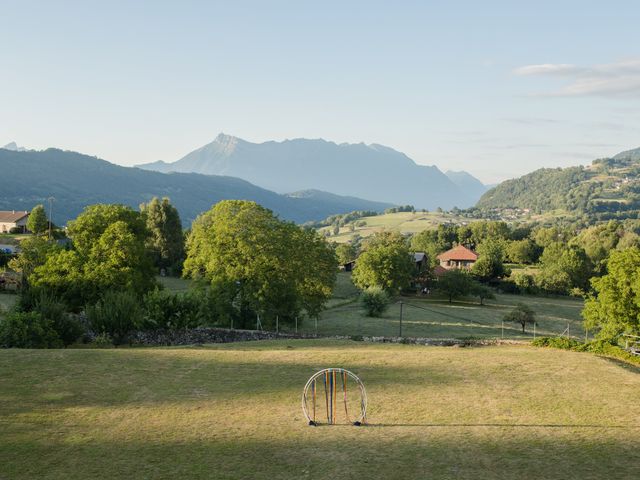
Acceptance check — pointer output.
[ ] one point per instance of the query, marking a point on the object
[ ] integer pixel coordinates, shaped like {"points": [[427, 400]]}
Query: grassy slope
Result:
{"points": [[233, 411], [405, 222]]}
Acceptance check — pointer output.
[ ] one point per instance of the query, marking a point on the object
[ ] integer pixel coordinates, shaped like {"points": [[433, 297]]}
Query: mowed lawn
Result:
{"points": [[233, 411]]}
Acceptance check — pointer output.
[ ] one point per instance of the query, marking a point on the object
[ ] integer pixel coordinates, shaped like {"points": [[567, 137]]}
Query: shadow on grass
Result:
{"points": [[501, 425]]}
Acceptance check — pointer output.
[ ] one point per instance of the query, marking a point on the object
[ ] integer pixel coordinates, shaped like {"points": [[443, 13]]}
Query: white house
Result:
{"points": [[13, 219]]}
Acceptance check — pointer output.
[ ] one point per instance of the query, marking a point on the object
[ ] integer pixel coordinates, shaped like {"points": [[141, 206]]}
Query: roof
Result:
{"points": [[439, 270], [12, 216], [459, 253], [419, 256]]}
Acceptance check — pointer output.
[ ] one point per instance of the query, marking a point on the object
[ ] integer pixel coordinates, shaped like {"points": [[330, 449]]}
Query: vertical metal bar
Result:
{"points": [[400, 319], [277, 325], [296, 324], [503, 329]]}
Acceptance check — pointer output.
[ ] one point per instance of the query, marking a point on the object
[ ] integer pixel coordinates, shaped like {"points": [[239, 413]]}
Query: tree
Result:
{"points": [[523, 251], [346, 253], [166, 239], [375, 301], [108, 254], [37, 221], [615, 306], [482, 292], [521, 314], [563, 268], [490, 260], [386, 263], [455, 283], [33, 253], [258, 264]]}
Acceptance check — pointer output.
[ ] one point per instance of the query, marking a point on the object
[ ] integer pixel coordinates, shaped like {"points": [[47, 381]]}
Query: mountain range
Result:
{"points": [[29, 177], [373, 171]]}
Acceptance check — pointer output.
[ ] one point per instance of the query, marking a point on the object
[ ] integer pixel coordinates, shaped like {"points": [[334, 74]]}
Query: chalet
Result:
{"points": [[13, 219], [458, 257], [421, 261]]}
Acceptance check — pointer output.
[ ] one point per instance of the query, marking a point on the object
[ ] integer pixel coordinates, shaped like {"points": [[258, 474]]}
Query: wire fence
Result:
{"points": [[411, 318]]}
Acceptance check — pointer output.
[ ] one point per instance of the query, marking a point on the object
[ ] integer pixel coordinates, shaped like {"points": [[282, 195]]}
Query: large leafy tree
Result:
{"points": [[563, 268], [166, 239], [37, 221], [490, 260], [455, 283], [108, 253], [346, 253], [615, 307], [258, 264], [386, 263]]}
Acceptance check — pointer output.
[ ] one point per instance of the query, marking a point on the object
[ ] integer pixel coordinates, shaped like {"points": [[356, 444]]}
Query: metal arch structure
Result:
{"points": [[330, 377]]}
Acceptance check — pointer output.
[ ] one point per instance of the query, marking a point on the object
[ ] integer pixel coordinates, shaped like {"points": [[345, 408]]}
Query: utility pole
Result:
{"points": [[400, 319], [51, 199]]}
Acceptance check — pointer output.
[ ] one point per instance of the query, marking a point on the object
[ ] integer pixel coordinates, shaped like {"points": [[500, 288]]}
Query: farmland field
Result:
{"points": [[233, 411]]}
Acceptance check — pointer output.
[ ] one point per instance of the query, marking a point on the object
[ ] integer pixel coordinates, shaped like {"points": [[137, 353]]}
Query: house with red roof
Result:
{"points": [[459, 257]]}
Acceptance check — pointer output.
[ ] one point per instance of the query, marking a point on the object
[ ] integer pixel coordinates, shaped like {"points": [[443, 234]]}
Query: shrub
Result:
{"points": [[525, 282], [599, 347], [67, 327], [117, 314], [103, 340], [173, 311], [375, 301], [28, 330]]}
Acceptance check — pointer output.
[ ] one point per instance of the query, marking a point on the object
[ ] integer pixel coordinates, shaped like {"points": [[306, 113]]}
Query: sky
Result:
{"points": [[496, 88]]}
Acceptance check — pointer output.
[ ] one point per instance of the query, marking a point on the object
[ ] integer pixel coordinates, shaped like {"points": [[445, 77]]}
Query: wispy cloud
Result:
{"points": [[619, 79]]}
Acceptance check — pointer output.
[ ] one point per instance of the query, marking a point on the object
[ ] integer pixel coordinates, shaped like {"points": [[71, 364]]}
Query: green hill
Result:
{"points": [[608, 188], [75, 181]]}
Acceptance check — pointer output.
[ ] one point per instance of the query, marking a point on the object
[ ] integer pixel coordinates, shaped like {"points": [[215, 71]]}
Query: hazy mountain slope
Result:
{"points": [[76, 180], [365, 171], [608, 188], [467, 183]]}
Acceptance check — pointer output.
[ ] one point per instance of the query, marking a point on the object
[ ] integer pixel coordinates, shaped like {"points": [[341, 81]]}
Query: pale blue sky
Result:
{"points": [[497, 88]]}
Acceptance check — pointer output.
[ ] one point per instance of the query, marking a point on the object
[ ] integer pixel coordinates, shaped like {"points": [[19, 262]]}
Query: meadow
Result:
{"points": [[434, 317], [233, 411]]}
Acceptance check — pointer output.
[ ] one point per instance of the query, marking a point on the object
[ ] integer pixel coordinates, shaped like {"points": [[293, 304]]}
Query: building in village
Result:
{"points": [[13, 221]]}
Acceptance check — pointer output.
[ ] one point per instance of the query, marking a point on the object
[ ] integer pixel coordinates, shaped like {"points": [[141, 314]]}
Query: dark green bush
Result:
{"points": [[599, 347], [117, 314], [28, 330], [375, 301], [66, 326], [173, 311]]}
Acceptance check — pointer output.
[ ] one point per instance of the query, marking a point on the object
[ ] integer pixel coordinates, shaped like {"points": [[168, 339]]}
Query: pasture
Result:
{"points": [[233, 411]]}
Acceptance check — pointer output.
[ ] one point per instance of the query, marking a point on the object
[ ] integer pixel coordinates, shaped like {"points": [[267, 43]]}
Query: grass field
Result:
{"points": [[433, 316], [233, 411]]}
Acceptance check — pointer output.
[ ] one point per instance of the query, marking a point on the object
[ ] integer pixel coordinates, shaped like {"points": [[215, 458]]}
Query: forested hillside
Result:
{"points": [[608, 188], [75, 181]]}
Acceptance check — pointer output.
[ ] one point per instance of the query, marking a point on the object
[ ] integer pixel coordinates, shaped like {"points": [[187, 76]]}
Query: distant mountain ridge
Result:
{"points": [[608, 188], [365, 171], [75, 180]]}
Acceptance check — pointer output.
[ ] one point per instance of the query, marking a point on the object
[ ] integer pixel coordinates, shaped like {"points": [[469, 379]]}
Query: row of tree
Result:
{"points": [[245, 260]]}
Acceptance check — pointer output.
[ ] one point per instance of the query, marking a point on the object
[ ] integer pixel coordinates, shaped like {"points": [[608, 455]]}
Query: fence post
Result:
{"points": [[316, 325], [503, 329], [400, 319], [534, 330], [296, 324]]}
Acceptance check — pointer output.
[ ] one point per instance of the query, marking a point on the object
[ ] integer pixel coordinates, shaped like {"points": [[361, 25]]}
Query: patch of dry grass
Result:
{"points": [[233, 411]]}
